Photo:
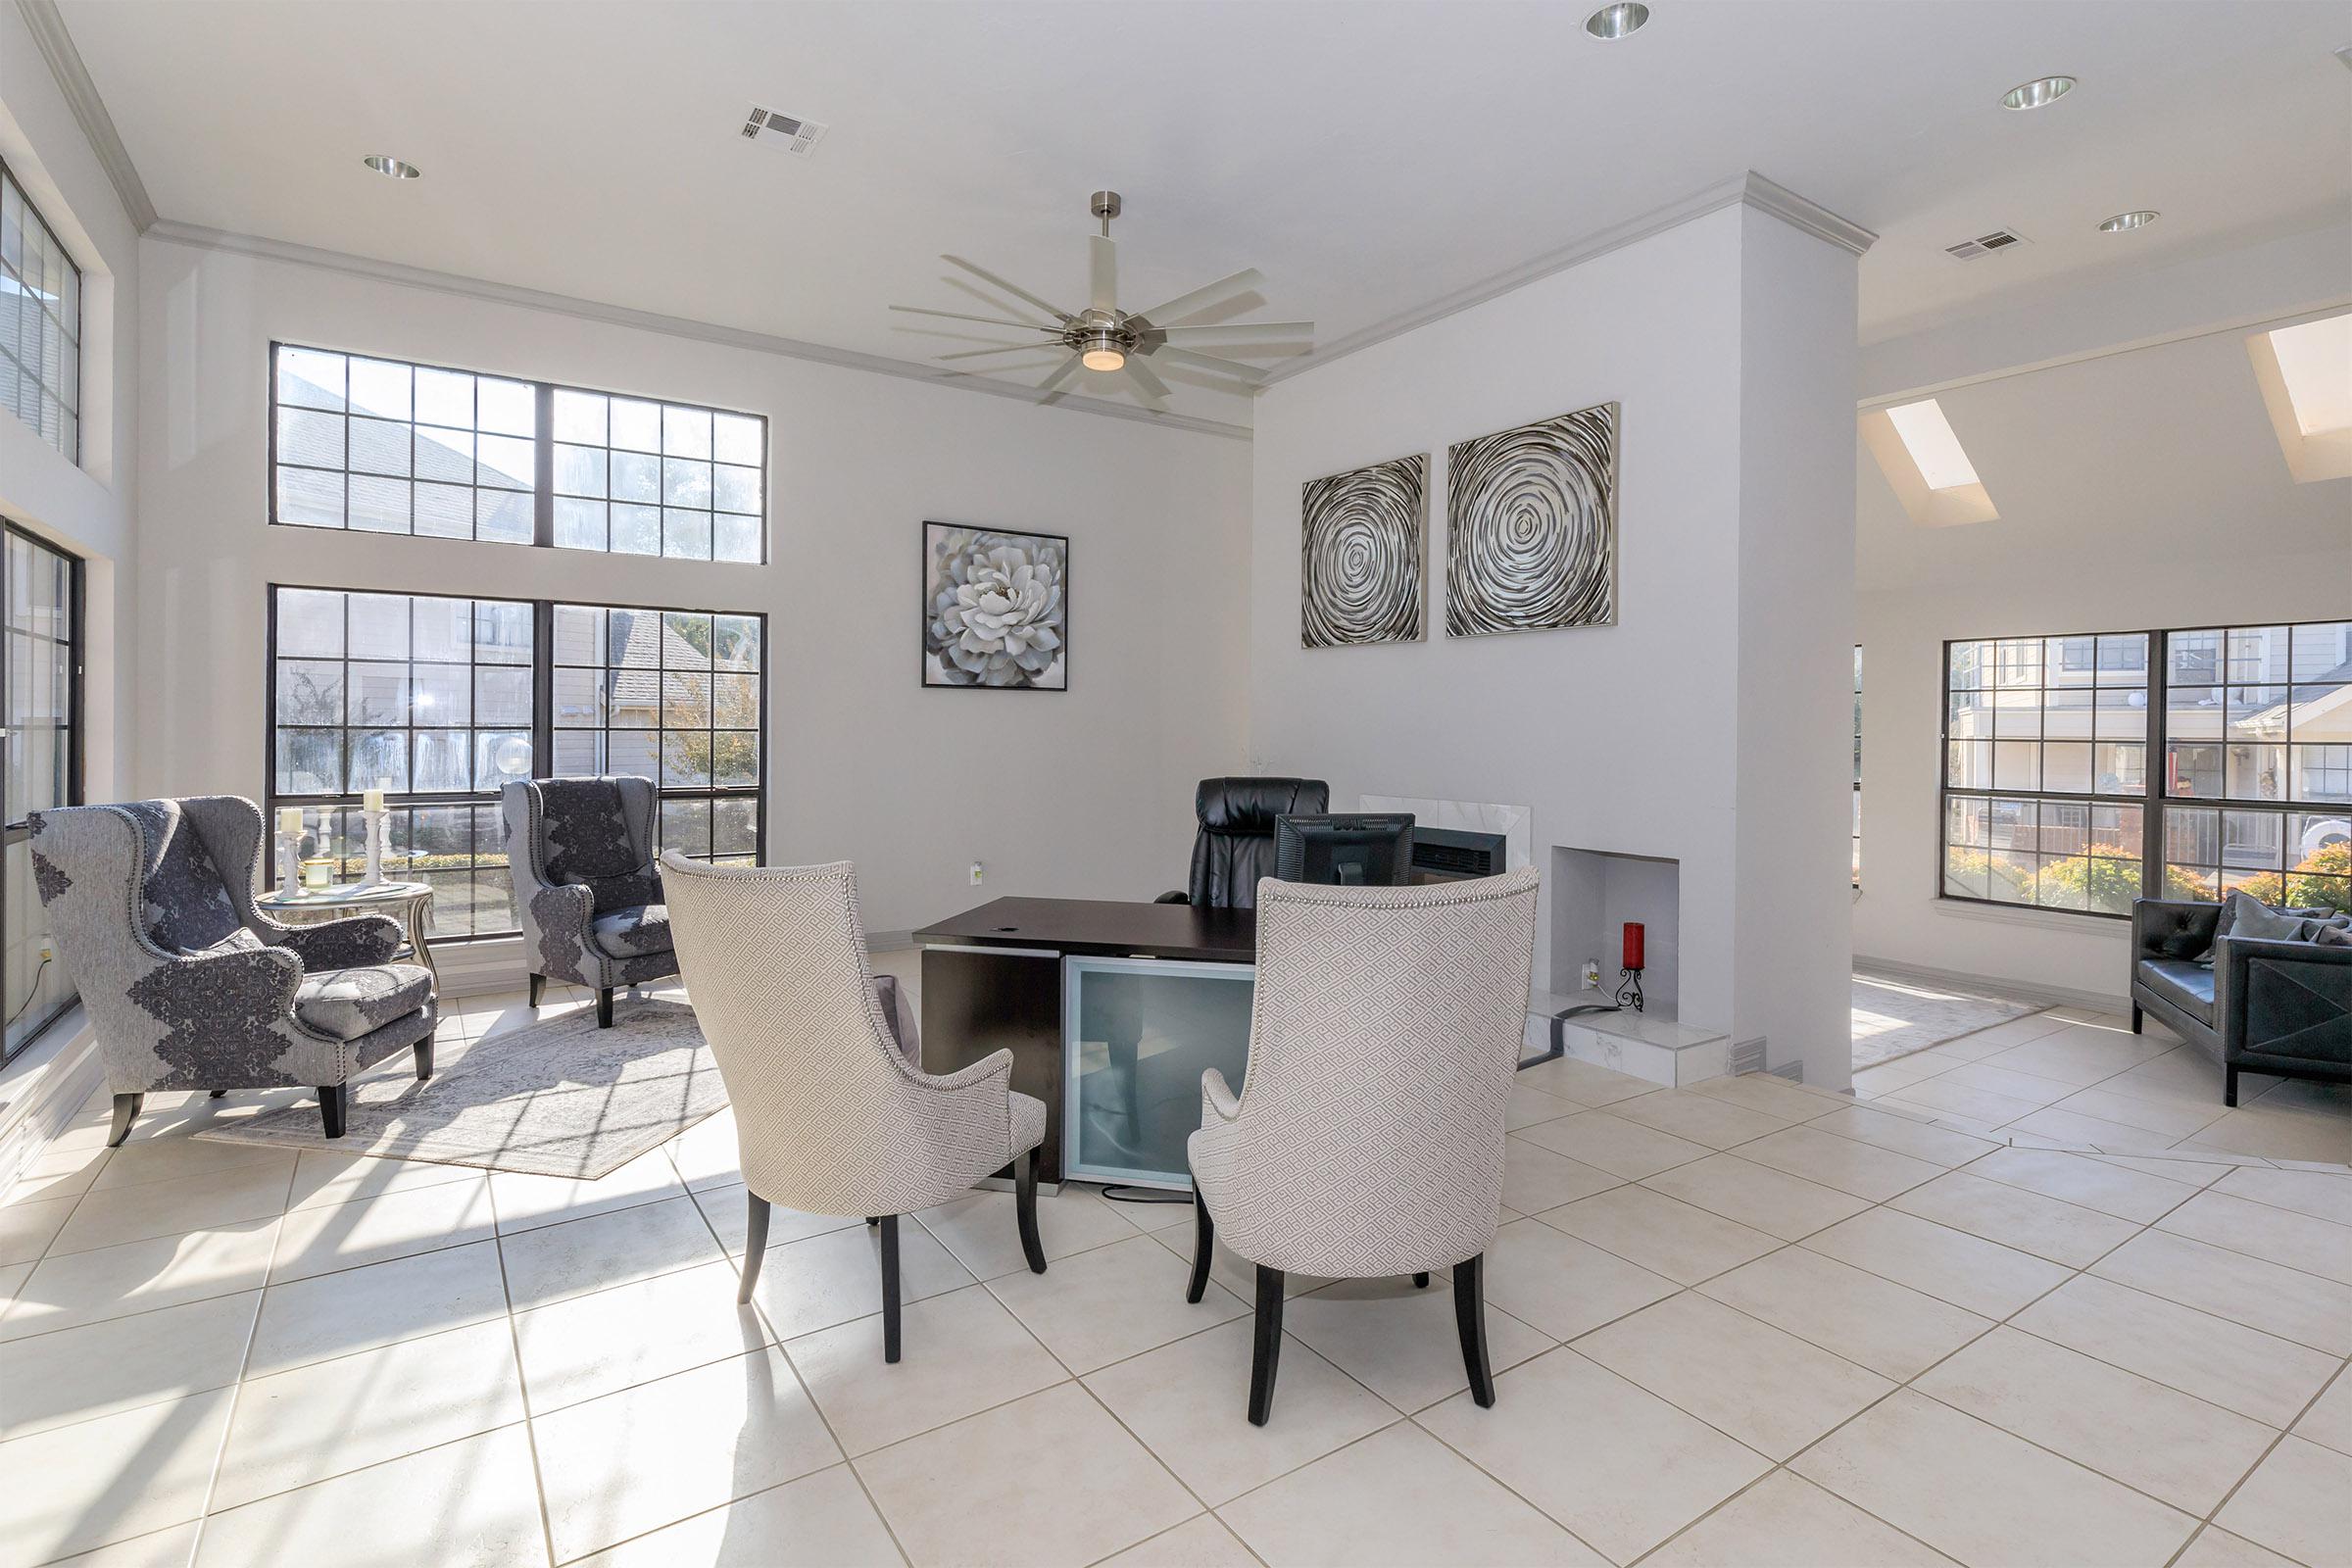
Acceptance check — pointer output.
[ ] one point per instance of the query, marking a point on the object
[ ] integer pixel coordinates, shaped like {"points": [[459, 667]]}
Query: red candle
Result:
{"points": [[1633, 945]]}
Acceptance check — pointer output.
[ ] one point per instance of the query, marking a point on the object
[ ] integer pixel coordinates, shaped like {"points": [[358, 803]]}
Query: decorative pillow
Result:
{"points": [[238, 941], [2248, 917], [2334, 936]]}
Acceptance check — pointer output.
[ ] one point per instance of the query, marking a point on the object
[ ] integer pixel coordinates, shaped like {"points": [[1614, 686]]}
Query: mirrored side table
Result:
{"points": [[409, 902]]}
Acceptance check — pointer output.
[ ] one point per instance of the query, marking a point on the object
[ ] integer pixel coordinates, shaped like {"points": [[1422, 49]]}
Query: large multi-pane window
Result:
{"points": [[385, 446], [2045, 770], [2258, 720], [40, 322], [674, 695], [2059, 752], [41, 674], [438, 701], [1857, 765]]}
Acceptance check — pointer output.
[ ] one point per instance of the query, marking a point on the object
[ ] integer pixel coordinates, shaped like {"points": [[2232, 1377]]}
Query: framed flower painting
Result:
{"points": [[996, 608]]}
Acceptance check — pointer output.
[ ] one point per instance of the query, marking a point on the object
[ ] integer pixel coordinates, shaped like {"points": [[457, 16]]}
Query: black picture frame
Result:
{"points": [[926, 654]]}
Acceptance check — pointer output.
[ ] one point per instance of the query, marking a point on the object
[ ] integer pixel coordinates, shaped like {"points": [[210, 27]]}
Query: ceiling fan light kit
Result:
{"points": [[1106, 340]]}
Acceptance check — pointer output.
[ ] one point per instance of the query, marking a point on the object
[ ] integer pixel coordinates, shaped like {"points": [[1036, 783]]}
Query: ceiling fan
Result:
{"points": [[1108, 340]]}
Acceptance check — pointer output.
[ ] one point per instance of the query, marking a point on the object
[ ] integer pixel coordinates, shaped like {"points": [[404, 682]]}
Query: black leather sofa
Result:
{"points": [[2257, 1006]]}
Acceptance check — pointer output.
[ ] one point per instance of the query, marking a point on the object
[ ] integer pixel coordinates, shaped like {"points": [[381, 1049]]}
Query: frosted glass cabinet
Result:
{"points": [[1138, 1033]]}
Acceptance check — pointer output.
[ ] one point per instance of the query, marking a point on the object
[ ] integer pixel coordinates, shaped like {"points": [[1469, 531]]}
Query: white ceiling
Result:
{"points": [[1368, 158]]}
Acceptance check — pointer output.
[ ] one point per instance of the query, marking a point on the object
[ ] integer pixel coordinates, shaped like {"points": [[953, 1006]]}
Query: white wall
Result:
{"points": [[1086, 793], [2138, 489], [1620, 738]]}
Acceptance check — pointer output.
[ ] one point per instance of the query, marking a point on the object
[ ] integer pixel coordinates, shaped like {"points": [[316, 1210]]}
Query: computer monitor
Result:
{"points": [[1355, 849]]}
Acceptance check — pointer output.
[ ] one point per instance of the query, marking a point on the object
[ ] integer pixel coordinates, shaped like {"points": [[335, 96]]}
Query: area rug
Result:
{"points": [[558, 1098], [1900, 1017]]}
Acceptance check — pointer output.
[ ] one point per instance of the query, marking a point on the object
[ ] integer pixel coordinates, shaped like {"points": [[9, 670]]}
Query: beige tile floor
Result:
{"points": [[2078, 1077], [1741, 1324]]}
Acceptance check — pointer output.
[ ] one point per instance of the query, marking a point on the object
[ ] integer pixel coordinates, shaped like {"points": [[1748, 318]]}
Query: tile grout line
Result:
{"points": [[522, 1385]]}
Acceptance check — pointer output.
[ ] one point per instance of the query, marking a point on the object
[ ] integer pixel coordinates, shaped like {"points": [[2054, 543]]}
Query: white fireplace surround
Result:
{"points": [[1514, 822]]}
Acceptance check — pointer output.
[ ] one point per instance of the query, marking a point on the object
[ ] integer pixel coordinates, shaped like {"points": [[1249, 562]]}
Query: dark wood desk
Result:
{"points": [[993, 980]]}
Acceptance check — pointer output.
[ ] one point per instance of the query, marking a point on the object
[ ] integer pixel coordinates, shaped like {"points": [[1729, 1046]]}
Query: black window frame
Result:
{"points": [[2154, 798], [542, 492], [70, 450], [13, 829], [541, 726]]}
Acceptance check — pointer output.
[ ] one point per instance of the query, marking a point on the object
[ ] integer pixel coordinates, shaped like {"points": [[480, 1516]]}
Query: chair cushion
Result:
{"points": [[348, 1003], [1028, 1122], [633, 931], [2185, 985], [184, 899]]}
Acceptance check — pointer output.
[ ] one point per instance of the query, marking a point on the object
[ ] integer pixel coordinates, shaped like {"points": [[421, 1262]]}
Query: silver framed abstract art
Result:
{"points": [[1531, 526], [1363, 554]]}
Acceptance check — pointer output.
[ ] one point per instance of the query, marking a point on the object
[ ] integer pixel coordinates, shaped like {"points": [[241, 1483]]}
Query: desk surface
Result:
{"points": [[1098, 926]]}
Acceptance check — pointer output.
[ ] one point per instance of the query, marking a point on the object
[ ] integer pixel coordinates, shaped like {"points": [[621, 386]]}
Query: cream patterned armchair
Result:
{"points": [[830, 1115], [188, 986], [587, 893], [1367, 1139]]}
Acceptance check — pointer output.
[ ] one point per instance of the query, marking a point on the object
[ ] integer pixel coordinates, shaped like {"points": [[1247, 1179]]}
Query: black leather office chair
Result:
{"points": [[1236, 842]]}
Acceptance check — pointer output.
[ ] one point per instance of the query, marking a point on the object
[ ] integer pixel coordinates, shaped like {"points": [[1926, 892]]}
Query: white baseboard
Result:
{"points": [[2021, 990]]}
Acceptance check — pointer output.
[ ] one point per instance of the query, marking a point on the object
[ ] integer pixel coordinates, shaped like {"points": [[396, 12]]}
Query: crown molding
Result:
{"points": [[49, 34], [1746, 189], [198, 237]]}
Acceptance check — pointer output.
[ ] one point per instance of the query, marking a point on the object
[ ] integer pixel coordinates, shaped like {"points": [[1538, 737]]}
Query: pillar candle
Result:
{"points": [[1633, 944], [289, 819], [373, 800]]}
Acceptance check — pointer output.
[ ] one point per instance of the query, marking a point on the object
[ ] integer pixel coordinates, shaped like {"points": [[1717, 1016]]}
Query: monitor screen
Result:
{"points": [[1349, 850]]}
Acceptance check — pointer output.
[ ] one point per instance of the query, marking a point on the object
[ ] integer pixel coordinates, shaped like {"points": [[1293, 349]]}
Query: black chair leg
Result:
{"points": [[1267, 1356], [538, 990], [1470, 1316], [889, 1288], [2135, 1017], [1204, 1241], [127, 1111], [2228, 1086], [332, 1100], [1421, 1282], [424, 1058], [755, 1246], [217, 1093], [604, 1006], [872, 1220], [1024, 1209]]}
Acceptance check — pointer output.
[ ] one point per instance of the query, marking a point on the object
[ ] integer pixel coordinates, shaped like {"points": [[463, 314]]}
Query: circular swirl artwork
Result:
{"points": [[1531, 538], [1362, 555]]}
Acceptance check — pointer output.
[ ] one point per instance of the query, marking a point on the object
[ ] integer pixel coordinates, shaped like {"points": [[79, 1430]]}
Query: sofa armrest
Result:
{"points": [[2173, 928], [2234, 980]]}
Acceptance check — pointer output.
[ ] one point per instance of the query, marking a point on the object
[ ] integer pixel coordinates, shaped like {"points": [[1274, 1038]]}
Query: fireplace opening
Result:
{"points": [[1594, 893]]}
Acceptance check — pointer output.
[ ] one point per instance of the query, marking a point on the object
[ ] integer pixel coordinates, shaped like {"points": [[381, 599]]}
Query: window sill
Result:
{"points": [[2102, 925]]}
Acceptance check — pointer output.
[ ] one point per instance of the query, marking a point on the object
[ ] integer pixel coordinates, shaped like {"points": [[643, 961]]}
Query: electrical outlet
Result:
{"points": [[975, 874], [1592, 975], [47, 952]]}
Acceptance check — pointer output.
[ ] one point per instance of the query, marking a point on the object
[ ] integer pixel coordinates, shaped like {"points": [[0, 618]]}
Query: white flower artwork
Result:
{"points": [[996, 608]]}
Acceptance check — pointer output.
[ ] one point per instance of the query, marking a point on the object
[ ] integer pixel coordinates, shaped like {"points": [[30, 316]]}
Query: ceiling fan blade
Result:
{"points": [[1153, 388], [1008, 348], [1013, 289], [1201, 299], [1059, 376], [1248, 331], [1209, 362], [1102, 271], [958, 315]]}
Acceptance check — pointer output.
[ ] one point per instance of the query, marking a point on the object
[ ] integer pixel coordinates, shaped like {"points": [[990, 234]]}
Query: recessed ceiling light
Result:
{"points": [[2037, 93], [392, 168], [2125, 221], [1615, 21]]}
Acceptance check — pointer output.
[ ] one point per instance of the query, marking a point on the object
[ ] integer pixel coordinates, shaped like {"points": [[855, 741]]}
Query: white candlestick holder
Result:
{"points": [[289, 864], [377, 822]]}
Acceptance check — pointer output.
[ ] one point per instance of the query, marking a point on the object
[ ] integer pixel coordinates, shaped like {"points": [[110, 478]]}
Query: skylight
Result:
{"points": [[1928, 436], [2315, 360]]}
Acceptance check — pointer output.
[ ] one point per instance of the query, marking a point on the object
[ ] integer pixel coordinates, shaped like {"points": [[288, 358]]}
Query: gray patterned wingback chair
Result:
{"points": [[581, 853], [831, 1116], [1367, 1139], [189, 985]]}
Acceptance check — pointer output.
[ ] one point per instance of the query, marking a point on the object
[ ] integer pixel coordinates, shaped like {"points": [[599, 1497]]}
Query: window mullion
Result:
{"points": [[542, 465]]}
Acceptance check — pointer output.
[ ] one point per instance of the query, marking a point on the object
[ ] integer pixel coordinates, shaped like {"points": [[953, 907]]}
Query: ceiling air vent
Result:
{"points": [[2000, 239], [769, 128]]}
